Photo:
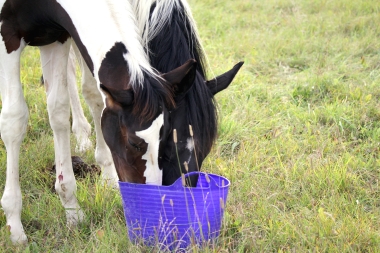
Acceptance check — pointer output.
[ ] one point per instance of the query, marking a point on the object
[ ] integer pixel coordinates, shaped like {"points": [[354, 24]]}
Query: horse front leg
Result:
{"points": [[54, 63], [94, 100], [13, 123]]}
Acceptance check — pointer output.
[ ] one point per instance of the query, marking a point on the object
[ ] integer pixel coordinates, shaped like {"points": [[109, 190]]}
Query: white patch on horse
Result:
{"points": [[151, 136], [190, 147], [117, 24]]}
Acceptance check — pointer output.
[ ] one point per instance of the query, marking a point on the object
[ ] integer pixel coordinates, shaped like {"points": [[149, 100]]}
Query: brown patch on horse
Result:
{"points": [[113, 71], [115, 82]]}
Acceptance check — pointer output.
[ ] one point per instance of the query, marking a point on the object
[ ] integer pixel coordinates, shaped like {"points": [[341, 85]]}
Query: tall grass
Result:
{"points": [[299, 135]]}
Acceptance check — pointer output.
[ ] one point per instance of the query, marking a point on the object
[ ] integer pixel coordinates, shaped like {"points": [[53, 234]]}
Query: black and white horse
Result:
{"points": [[170, 41], [135, 97]]}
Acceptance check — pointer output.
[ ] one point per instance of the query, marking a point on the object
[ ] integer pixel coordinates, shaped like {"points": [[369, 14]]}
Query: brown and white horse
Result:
{"points": [[134, 105]]}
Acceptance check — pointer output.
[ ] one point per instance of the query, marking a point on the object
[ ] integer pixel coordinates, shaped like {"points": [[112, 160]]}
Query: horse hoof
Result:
{"points": [[18, 237]]}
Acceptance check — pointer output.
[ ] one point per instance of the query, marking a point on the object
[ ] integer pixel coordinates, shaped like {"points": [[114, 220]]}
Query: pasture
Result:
{"points": [[299, 136]]}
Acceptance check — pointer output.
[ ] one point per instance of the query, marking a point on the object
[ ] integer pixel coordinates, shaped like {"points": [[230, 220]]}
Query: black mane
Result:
{"points": [[178, 36]]}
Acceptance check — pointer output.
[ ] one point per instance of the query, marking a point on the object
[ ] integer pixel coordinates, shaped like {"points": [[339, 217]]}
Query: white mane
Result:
{"points": [[160, 17]]}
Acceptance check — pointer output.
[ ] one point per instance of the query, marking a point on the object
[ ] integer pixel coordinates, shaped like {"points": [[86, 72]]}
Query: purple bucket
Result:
{"points": [[175, 216]]}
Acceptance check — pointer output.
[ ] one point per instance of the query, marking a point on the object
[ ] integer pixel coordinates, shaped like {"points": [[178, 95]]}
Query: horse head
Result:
{"points": [[135, 120], [192, 147]]}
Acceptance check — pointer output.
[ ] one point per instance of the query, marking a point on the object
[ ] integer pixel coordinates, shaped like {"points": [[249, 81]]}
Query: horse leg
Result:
{"points": [[14, 119], [81, 128], [54, 65], [94, 100]]}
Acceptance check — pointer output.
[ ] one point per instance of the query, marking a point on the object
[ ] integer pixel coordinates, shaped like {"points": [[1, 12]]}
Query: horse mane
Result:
{"points": [[171, 38]]}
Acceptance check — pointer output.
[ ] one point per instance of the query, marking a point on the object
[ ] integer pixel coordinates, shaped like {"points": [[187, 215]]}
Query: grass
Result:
{"points": [[299, 135]]}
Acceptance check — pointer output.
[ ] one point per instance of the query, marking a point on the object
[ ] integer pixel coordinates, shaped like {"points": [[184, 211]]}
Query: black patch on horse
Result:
{"points": [[39, 23]]}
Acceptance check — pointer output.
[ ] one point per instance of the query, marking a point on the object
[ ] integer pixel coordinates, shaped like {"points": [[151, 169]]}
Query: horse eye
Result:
{"points": [[134, 145]]}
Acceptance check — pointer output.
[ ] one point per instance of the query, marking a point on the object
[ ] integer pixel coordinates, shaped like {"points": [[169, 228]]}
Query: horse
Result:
{"points": [[170, 37], [132, 98]]}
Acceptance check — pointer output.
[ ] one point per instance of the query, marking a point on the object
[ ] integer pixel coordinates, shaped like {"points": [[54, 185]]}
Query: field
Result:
{"points": [[299, 136]]}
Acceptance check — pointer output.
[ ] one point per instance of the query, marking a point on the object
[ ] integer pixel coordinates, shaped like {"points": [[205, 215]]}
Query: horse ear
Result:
{"points": [[182, 78], [116, 98], [221, 82]]}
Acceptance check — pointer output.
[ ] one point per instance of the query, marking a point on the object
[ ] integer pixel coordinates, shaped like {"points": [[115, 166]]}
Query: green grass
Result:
{"points": [[299, 135]]}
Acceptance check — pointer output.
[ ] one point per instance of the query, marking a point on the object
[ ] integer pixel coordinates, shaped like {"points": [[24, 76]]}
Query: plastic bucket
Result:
{"points": [[175, 216]]}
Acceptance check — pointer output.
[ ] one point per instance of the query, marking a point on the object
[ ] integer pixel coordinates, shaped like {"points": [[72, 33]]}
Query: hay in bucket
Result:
{"points": [[175, 216]]}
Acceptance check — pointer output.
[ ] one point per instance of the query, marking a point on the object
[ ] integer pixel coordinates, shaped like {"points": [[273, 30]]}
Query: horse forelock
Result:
{"points": [[150, 99]]}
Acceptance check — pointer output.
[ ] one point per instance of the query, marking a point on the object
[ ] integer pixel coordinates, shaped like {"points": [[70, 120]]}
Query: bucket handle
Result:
{"points": [[205, 179]]}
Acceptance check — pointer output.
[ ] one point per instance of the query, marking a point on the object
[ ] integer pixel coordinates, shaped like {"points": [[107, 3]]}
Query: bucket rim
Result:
{"points": [[178, 183]]}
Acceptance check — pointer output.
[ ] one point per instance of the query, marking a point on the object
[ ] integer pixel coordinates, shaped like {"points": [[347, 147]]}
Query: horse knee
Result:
{"points": [[13, 124], [59, 119], [11, 202]]}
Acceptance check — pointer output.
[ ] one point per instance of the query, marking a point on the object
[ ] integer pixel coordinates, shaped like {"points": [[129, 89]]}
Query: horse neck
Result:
{"points": [[107, 23], [171, 41]]}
